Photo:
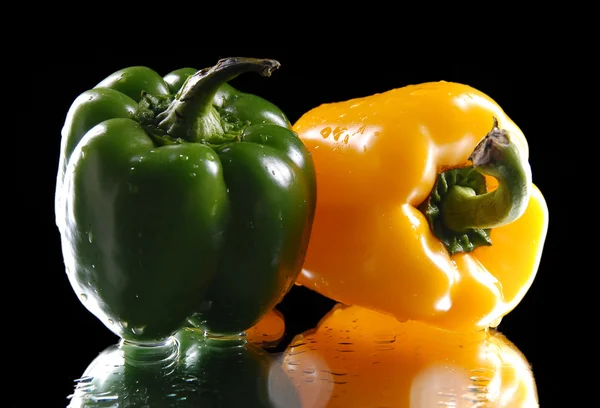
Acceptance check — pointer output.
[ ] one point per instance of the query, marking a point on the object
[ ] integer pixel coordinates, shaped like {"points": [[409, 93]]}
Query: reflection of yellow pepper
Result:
{"points": [[377, 160], [268, 331], [360, 358]]}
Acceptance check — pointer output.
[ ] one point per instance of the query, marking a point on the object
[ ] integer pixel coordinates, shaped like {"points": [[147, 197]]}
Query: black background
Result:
{"points": [[62, 337]]}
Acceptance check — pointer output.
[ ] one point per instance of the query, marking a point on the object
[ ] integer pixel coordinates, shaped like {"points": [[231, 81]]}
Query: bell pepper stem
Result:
{"points": [[498, 156], [191, 116]]}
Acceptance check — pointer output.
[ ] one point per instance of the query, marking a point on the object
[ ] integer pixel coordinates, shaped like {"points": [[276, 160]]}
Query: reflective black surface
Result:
{"points": [[53, 339], [354, 357]]}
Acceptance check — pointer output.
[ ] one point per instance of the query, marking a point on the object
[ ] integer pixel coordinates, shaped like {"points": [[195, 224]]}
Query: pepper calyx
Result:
{"points": [[455, 241], [464, 209], [149, 107], [193, 116]]}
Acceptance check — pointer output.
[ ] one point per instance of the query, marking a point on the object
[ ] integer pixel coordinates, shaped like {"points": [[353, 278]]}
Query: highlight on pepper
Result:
{"points": [[427, 209]]}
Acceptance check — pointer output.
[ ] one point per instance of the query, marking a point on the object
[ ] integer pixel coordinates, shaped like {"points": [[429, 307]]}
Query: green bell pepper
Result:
{"points": [[181, 200]]}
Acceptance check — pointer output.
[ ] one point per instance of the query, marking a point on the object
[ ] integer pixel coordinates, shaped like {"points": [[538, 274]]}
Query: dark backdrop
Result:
{"points": [[64, 337]]}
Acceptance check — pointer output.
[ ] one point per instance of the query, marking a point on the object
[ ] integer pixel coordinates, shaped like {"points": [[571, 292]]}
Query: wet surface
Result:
{"points": [[353, 358]]}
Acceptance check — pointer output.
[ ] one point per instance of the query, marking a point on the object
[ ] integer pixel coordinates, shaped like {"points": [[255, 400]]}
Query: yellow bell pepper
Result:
{"points": [[426, 207], [356, 357]]}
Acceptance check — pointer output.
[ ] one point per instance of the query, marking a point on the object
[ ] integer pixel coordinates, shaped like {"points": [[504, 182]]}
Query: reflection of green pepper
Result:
{"points": [[198, 374], [195, 205]]}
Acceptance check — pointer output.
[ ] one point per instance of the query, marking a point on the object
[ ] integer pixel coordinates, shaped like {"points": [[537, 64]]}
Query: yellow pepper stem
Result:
{"points": [[461, 211], [497, 156]]}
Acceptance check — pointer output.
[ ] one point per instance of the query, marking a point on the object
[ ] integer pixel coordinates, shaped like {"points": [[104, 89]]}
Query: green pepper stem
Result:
{"points": [[498, 156], [191, 116]]}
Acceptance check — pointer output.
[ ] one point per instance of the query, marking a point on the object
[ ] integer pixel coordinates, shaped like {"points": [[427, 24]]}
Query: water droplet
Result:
{"points": [[385, 339], [337, 132], [193, 174], [195, 166], [138, 330], [325, 132], [104, 398], [123, 324], [84, 379], [132, 170], [83, 297], [111, 321], [93, 266]]}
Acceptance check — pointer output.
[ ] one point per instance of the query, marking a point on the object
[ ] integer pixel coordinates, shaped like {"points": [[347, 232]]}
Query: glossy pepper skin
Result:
{"points": [[210, 223], [377, 159]]}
